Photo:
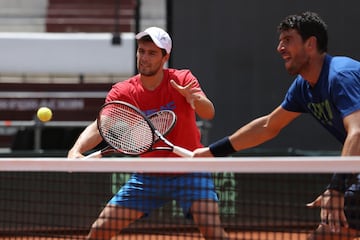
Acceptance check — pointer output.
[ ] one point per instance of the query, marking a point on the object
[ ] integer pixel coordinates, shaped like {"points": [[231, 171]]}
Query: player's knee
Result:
{"points": [[98, 234], [98, 231], [210, 232]]}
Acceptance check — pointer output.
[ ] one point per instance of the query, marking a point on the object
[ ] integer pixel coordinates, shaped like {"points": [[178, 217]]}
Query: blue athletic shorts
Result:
{"points": [[352, 209], [352, 202], [148, 192]]}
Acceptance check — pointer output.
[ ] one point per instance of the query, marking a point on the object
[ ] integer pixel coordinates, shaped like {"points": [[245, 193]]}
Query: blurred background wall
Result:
{"points": [[231, 47]]}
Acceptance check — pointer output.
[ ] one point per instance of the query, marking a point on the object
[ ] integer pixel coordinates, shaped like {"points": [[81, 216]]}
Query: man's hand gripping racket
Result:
{"points": [[127, 130]]}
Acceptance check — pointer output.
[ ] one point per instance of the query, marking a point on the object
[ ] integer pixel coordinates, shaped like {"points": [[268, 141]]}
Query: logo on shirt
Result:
{"points": [[168, 106], [322, 111]]}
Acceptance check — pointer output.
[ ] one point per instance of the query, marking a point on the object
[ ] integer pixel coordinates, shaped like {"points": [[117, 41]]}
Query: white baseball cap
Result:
{"points": [[159, 37]]}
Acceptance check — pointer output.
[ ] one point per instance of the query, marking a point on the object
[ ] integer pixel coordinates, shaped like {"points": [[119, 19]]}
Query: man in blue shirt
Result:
{"points": [[328, 88]]}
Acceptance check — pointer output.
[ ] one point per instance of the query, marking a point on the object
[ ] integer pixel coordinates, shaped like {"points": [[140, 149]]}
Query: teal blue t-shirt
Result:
{"points": [[335, 95]]}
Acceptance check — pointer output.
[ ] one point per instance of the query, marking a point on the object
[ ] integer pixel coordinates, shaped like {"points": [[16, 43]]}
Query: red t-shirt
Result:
{"points": [[185, 132]]}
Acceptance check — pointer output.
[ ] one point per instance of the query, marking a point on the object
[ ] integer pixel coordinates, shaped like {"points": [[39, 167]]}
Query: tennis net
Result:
{"points": [[259, 197]]}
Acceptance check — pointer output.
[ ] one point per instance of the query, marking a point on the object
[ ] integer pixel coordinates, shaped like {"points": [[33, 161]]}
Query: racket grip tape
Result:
{"points": [[182, 152], [96, 154]]}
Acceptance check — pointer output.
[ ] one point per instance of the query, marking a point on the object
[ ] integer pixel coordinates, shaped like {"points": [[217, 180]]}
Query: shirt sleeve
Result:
{"points": [[292, 100], [120, 91], [347, 88]]}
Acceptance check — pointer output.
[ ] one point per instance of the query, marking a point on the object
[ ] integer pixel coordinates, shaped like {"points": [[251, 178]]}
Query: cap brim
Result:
{"points": [[141, 34]]}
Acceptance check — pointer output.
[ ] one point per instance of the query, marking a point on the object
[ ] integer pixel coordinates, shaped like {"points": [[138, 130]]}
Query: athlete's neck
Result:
{"points": [[152, 82], [312, 73]]}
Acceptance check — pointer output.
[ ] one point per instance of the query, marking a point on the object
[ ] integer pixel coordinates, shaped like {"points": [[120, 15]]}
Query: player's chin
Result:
{"points": [[146, 72], [291, 70]]}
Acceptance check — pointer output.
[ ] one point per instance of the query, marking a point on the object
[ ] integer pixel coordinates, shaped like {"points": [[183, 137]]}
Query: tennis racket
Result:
{"points": [[127, 130], [163, 121]]}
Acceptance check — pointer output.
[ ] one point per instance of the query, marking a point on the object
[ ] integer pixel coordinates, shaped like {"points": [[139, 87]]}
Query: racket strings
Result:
{"points": [[125, 129], [163, 121]]}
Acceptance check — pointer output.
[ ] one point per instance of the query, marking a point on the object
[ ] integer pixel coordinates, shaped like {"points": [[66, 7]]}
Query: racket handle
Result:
{"points": [[96, 154], [182, 152]]}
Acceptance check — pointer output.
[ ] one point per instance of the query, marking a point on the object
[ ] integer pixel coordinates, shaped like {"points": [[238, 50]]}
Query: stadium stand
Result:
{"points": [[90, 16], [22, 15], [55, 19]]}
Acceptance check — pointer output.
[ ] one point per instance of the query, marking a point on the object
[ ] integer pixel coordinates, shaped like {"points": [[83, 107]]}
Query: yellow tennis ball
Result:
{"points": [[44, 114]]}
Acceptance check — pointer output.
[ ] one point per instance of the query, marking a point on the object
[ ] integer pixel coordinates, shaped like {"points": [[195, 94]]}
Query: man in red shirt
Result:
{"points": [[154, 89]]}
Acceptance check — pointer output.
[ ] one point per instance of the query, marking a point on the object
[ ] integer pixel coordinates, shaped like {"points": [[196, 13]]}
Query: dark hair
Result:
{"points": [[307, 24], [147, 38]]}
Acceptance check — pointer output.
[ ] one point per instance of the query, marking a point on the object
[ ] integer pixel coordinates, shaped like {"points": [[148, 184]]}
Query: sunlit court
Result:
{"points": [[243, 235]]}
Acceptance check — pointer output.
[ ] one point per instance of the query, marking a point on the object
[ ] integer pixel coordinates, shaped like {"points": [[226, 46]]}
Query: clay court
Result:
{"points": [[185, 236]]}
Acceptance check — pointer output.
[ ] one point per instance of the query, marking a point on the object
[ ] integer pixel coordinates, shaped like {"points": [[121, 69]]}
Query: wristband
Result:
{"points": [[340, 182], [222, 147]]}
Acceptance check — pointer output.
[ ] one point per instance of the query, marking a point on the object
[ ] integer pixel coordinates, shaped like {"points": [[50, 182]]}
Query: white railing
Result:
{"points": [[11, 127]]}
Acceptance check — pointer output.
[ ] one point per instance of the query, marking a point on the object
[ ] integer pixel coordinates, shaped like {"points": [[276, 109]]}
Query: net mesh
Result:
{"points": [[60, 198]]}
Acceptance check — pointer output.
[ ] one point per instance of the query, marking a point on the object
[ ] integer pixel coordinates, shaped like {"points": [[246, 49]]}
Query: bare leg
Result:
{"points": [[206, 216], [323, 232], [111, 221]]}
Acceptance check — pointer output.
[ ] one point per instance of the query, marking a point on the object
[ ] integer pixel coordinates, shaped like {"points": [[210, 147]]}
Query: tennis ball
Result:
{"points": [[44, 114]]}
